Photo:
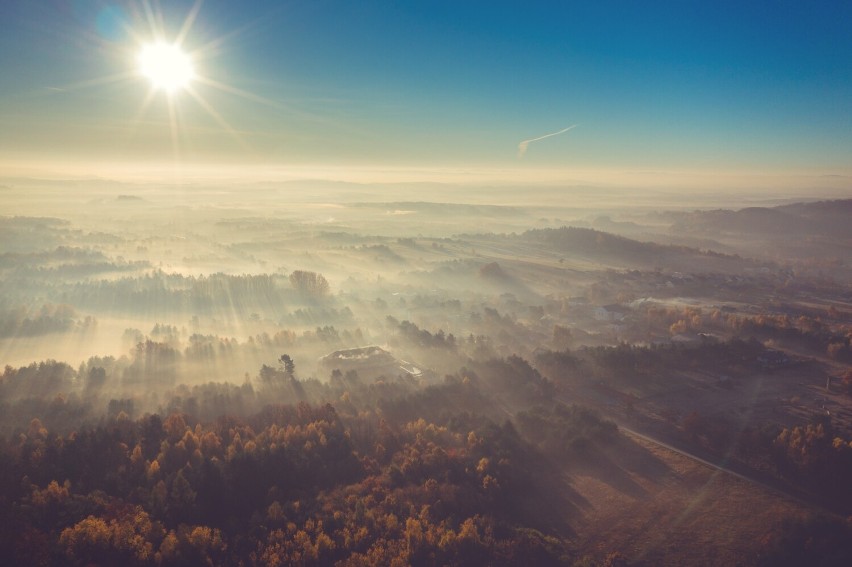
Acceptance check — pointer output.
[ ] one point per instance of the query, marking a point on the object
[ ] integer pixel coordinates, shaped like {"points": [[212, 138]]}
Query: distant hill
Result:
{"points": [[832, 217], [751, 220], [818, 208], [593, 242], [823, 218], [605, 247]]}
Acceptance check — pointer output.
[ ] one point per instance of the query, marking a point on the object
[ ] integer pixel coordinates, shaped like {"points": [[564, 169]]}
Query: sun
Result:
{"points": [[159, 58], [166, 66]]}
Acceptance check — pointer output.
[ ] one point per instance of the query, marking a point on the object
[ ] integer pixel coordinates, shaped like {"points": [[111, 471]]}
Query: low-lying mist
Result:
{"points": [[209, 275]]}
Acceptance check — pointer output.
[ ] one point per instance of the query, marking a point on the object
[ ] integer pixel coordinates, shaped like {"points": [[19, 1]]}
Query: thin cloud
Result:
{"points": [[522, 147]]}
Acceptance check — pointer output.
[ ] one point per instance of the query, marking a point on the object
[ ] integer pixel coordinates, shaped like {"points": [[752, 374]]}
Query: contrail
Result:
{"points": [[522, 147]]}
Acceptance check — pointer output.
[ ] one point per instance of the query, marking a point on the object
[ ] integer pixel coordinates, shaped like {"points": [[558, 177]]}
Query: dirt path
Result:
{"points": [[740, 471]]}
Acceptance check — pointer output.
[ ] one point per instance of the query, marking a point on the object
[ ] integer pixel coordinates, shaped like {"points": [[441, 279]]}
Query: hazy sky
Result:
{"points": [[670, 86]]}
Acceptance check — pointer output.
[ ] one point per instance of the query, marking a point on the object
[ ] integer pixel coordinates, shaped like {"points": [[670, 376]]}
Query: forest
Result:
{"points": [[388, 474]]}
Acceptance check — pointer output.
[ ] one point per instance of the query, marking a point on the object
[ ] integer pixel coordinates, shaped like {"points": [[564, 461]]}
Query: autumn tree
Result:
{"points": [[310, 284]]}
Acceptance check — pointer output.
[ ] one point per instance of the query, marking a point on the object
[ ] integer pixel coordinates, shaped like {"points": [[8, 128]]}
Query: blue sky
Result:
{"points": [[685, 85]]}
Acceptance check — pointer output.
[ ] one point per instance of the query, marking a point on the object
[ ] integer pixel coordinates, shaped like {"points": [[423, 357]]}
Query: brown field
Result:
{"points": [[657, 507]]}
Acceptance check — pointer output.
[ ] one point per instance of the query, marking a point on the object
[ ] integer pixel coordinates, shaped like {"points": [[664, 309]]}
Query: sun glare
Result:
{"points": [[166, 66]]}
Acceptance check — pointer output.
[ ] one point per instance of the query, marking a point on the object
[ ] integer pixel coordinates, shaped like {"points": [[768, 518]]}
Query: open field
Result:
{"points": [[661, 508]]}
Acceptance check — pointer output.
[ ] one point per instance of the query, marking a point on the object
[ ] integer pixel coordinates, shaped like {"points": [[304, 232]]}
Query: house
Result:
{"points": [[369, 362], [772, 359], [613, 312]]}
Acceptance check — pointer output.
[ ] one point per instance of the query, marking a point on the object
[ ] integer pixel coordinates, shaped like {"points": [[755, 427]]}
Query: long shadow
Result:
{"points": [[617, 464], [639, 460], [602, 467], [550, 503]]}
